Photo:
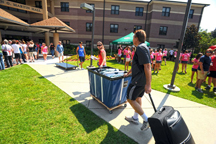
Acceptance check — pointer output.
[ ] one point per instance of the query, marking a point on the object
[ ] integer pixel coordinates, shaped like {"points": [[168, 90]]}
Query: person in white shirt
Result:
{"points": [[7, 50], [16, 51], [24, 46], [171, 52]]}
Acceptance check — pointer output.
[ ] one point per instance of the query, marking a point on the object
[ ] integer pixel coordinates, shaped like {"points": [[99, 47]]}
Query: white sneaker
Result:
{"points": [[145, 126], [131, 119], [82, 68]]}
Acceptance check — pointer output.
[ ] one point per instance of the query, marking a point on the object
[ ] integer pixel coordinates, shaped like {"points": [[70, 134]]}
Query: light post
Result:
{"points": [[171, 86], [86, 6]]}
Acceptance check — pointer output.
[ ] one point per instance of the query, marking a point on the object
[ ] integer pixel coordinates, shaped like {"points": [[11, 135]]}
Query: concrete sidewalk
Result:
{"points": [[200, 119]]}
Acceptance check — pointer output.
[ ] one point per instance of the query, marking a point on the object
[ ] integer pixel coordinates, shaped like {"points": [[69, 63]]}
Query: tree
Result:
{"points": [[206, 41], [213, 33], [192, 38]]}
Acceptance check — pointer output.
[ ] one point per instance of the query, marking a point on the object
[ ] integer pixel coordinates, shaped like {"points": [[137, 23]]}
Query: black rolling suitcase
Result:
{"points": [[168, 127]]}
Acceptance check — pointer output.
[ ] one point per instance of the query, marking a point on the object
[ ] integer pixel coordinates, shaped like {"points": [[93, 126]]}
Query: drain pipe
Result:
{"points": [[147, 14]]}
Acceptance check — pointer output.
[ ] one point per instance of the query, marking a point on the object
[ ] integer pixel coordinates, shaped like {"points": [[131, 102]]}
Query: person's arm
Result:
{"points": [[201, 67], [77, 50], [147, 70], [104, 59], [128, 73]]}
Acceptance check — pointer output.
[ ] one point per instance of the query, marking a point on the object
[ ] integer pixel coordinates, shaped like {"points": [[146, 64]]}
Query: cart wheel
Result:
{"points": [[125, 105], [110, 112]]}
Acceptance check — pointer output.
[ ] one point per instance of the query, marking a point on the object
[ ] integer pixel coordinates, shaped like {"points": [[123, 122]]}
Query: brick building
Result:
{"points": [[161, 19]]}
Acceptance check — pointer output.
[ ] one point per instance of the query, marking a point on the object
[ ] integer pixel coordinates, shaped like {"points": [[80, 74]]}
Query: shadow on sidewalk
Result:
{"points": [[91, 122]]}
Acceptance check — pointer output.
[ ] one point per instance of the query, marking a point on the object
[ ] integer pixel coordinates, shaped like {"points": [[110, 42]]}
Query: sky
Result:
{"points": [[209, 14]]}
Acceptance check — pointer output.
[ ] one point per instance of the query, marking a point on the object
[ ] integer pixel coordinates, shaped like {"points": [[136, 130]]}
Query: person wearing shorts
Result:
{"points": [[124, 54], [158, 57], [24, 46], [81, 53], [141, 79], [195, 66], [44, 50], [212, 73], [16, 50], [60, 50], [203, 68], [165, 55], [132, 53], [184, 60], [31, 50], [128, 53], [119, 54]]}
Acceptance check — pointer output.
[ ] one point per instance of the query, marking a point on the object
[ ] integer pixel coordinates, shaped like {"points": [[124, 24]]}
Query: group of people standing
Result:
{"points": [[205, 66], [25, 52], [127, 53]]}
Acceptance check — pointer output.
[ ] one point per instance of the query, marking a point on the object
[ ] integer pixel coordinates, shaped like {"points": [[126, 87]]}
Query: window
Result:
{"points": [[163, 30], [88, 44], [65, 6], [89, 27], [114, 28], [136, 27], [67, 23], [38, 4], [89, 11], [115, 9], [191, 13], [139, 11], [161, 46], [166, 11], [66, 42]]}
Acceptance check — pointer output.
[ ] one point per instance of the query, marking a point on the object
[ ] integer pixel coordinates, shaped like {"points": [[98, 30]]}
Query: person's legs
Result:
{"points": [[182, 67], [125, 65], [62, 57], [10, 60], [6, 60], [155, 67], [214, 83], [20, 60], [192, 75], [2, 66], [185, 68], [158, 67]]}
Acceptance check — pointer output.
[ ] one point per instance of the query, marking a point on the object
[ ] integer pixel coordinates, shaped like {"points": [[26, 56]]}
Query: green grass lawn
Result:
{"points": [[33, 110], [182, 80]]}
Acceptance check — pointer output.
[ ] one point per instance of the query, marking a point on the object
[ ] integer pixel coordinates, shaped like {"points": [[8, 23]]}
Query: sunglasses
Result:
{"points": [[99, 45], [208, 52]]}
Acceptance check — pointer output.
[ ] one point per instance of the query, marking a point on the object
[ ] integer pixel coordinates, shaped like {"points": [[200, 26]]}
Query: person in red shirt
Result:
{"points": [[101, 54], [212, 73], [184, 60]]}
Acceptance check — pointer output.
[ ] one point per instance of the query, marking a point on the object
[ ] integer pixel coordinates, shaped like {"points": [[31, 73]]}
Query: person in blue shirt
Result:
{"points": [[204, 64], [60, 50], [81, 52]]}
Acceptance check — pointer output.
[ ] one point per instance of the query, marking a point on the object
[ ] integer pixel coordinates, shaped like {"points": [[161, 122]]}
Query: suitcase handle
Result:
{"points": [[152, 103]]}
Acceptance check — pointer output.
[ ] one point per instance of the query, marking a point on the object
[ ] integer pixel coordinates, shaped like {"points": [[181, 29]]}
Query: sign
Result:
{"points": [[20, 6], [125, 84]]}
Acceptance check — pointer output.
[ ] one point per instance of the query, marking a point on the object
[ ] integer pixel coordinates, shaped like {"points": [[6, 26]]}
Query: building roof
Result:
{"points": [[53, 24], [9, 18], [171, 1]]}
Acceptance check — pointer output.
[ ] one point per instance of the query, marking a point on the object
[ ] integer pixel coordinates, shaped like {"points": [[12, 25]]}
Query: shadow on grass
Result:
{"points": [[91, 122], [180, 73]]}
